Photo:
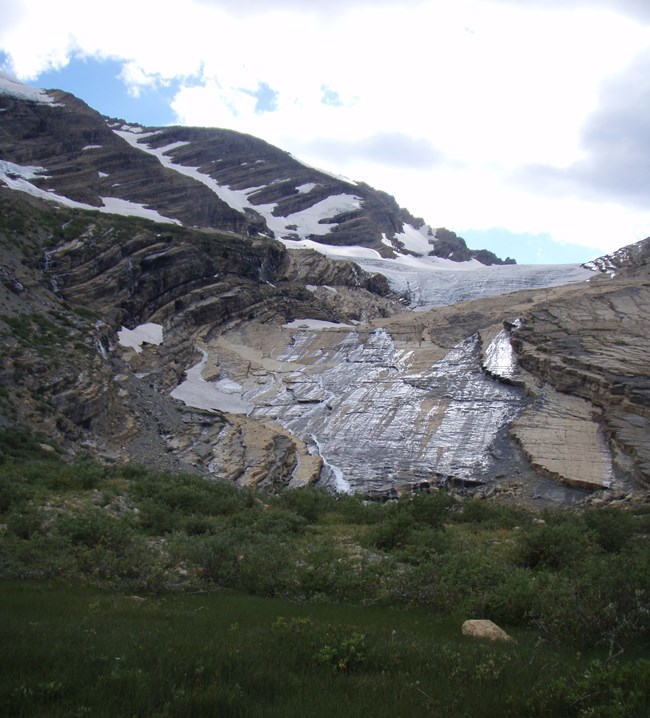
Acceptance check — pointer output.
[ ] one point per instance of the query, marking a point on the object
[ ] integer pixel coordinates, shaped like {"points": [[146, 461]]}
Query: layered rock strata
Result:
{"points": [[593, 346]]}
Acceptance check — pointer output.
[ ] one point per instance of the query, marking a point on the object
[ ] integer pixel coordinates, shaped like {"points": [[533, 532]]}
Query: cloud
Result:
{"points": [[639, 9], [388, 148], [317, 7], [438, 102], [266, 96], [616, 146]]}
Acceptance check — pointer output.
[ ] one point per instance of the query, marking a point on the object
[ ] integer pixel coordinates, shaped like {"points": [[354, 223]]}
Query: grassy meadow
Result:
{"points": [[127, 592]]}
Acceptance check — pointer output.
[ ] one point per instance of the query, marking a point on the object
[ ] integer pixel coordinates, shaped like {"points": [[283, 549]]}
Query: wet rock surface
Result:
{"points": [[353, 396]]}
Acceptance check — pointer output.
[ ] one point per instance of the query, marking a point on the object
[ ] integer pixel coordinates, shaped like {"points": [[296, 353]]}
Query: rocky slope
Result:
{"points": [[281, 368], [71, 279], [198, 341]]}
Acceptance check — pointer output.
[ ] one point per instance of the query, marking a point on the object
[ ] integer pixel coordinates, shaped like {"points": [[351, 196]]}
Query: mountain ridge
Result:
{"points": [[222, 179], [278, 366]]}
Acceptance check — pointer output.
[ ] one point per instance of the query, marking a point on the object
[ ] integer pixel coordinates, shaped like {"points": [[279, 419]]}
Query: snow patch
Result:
{"points": [[149, 333], [13, 88], [173, 146], [316, 287], [10, 172], [18, 177], [115, 205], [310, 221], [196, 392], [306, 188], [314, 219], [331, 251], [237, 199], [416, 240], [500, 359]]}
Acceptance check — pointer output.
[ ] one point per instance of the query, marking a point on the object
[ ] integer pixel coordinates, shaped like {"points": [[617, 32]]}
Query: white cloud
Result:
{"points": [[477, 88]]}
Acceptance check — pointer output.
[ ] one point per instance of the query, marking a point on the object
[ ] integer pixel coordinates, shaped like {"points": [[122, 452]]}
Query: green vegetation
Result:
{"points": [[132, 592], [37, 331]]}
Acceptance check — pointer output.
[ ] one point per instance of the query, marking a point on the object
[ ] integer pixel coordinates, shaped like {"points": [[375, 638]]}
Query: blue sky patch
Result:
{"points": [[266, 96], [527, 248], [98, 83], [331, 97]]}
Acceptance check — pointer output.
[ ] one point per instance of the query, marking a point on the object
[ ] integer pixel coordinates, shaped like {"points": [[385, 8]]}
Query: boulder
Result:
{"points": [[485, 630]]}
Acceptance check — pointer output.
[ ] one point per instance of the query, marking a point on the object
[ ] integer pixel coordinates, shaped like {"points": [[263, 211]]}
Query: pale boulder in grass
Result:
{"points": [[485, 630]]}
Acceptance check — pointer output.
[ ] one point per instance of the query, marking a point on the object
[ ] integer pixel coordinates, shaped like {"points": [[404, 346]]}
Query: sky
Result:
{"points": [[522, 125]]}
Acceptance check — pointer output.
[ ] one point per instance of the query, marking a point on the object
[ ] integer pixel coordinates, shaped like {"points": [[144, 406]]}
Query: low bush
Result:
{"points": [[393, 533], [556, 546], [613, 530], [309, 502], [14, 490], [92, 528]]}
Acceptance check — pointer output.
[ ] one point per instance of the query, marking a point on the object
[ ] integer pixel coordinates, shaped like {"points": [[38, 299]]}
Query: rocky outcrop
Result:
{"points": [[593, 346], [633, 257], [450, 246], [130, 270], [60, 346]]}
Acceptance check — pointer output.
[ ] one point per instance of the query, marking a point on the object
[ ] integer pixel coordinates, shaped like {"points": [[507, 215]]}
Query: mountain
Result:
{"points": [[186, 298], [198, 177]]}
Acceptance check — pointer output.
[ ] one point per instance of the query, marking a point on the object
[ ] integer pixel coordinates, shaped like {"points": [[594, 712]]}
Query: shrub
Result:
{"points": [[188, 494], [25, 523], [605, 689], [13, 489], [602, 601], [613, 529], [309, 502], [94, 527], [431, 510], [19, 443], [270, 521], [346, 653], [554, 546], [258, 564], [392, 533], [491, 515]]}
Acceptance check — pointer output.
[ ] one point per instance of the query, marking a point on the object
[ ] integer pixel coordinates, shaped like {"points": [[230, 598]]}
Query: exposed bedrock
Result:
{"points": [[412, 400], [119, 271], [309, 370], [594, 347]]}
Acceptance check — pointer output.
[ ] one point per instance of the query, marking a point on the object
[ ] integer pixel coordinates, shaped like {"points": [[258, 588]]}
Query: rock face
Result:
{"points": [[593, 347], [627, 258], [307, 369], [108, 272]]}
